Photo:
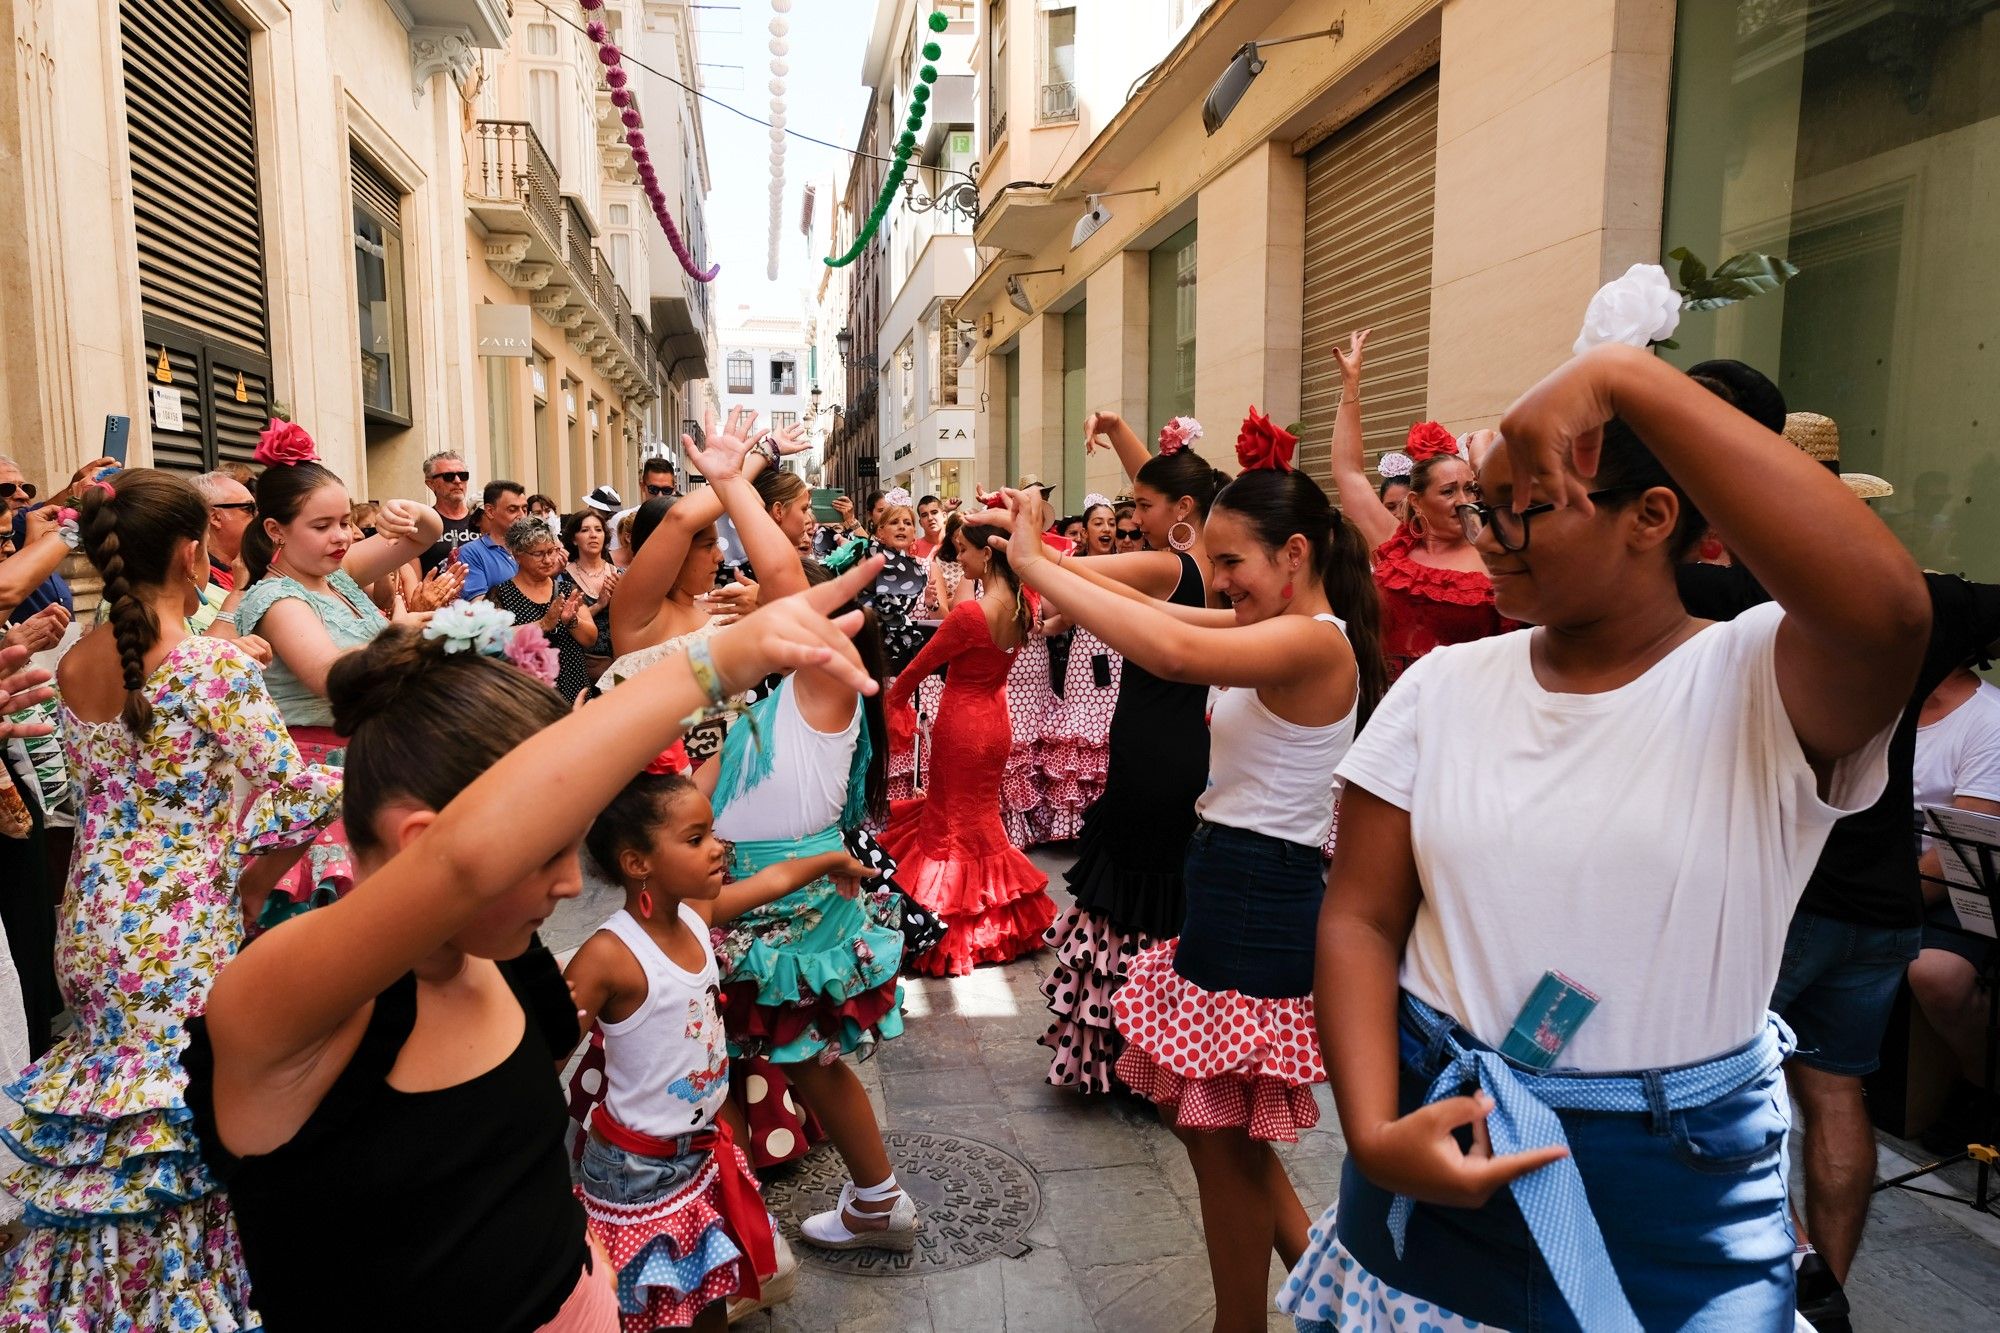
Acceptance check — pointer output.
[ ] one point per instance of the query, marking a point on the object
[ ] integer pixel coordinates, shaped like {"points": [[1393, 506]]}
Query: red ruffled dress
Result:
{"points": [[1424, 607], [950, 848]]}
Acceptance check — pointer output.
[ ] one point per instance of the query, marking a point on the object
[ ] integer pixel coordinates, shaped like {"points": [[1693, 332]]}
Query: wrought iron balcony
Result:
{"points": [[1058, 101]]}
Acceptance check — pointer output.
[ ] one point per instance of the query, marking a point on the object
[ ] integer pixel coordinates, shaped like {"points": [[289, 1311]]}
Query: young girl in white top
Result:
{"points": [[659, 1166], [1568, 858], [1218, 1025]]}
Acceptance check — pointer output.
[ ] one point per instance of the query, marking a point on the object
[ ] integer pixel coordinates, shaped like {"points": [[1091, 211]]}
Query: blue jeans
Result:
{"points": [[1252, 913], [616, 1176], [1836, 986], [1691, 1205]]}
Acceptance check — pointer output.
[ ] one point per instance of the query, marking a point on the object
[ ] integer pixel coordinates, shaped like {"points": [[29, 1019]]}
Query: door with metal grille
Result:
{"points": [[1369, 193], [191, 124]]}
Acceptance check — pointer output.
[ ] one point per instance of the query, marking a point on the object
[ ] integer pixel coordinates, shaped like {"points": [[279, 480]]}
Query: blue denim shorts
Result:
{"points": [[1691, 1205], [1836, 986], [616, 1176], [1252, 913]]}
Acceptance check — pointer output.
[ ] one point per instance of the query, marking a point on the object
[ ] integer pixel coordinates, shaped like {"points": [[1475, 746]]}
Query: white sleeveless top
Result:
{"points": [[806, 789], [666, 1067], [1268, 775]]}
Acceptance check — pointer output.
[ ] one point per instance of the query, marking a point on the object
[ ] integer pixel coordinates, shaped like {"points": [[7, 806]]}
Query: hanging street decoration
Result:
{"points": [[779, 69], [622, 97], [906, 146]]}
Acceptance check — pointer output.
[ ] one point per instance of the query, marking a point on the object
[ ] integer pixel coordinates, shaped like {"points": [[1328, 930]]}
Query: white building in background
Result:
{"points": [[928, 419], [763, 365]]}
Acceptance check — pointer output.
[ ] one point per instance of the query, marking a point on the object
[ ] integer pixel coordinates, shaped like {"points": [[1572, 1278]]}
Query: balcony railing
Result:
{"points": [[514, 166], [1058, 101]]}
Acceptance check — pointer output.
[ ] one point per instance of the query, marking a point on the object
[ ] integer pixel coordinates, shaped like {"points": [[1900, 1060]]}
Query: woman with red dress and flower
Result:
{"points": [[1218, 1024], [1433, 585], [951, 851]]}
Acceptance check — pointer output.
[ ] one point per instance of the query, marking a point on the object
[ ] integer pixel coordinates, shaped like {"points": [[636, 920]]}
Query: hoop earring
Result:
{"points": [[1178, 542], [1416, 522], [645, 899]]}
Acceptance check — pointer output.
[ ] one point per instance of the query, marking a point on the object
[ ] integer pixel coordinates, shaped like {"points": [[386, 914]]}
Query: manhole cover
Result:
{"points": [[976, 1203]]}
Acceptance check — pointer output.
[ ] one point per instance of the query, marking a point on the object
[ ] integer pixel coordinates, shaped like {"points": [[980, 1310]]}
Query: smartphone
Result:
{"points": [[117, 436], [822, 501], [1100, 670]]}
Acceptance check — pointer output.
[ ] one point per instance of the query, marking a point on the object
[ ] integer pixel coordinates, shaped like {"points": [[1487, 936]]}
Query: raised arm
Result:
{"points": [[1109, 427], [1359, 503], [1271, 653], [722, 458], [450, 867], [1194, 615], [1857, 612], [41, 554], [404, 530]]}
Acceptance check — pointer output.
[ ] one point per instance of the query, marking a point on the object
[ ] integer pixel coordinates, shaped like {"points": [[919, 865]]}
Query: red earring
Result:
{"points": [[1286, 591], [645, 900]]}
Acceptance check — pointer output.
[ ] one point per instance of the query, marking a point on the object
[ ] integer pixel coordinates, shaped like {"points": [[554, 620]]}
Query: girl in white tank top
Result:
{"points": [[660, 1156]]}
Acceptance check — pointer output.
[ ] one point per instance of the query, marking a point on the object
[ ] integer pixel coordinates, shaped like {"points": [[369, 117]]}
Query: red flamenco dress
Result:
{"points": [[1424, 607], [951, 851]]}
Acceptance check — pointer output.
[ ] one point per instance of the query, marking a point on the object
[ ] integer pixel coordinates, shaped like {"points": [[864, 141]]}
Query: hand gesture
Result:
{"points": [[609, 583], [1025, 515], [1479, 444], [1418, 1155], [401, 614], [399, 520], [562, 611], [440, 588], [94, 470], [1350, 360], [1097, 430], [849, 876], [39, 632], [257, 648], [40, 522], [791, 439], [794, 633], [732, 601], [845, 508], [719, 456], [1553, 434], [21, 689]]}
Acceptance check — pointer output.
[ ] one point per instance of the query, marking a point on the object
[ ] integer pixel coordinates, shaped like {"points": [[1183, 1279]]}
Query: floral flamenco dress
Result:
{"points": [[1128, 882], [351, 621], [130, 1230], [811, 976], [951, 851]]}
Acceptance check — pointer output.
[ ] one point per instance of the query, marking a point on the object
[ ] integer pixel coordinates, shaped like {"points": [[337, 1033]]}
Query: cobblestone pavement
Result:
{"points": [[1118, 1244]]}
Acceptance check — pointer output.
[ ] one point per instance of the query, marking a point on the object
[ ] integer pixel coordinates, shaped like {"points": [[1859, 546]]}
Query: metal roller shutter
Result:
{"points": [[1369, 196], [192, 128]]}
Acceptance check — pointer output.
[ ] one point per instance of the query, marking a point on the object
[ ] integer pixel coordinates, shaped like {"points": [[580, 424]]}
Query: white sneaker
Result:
{"points": [[843, 1227], [773, 1290]]}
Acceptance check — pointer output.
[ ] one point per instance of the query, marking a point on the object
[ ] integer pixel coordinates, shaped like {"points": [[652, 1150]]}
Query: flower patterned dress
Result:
{"points": [[129, 1229]]}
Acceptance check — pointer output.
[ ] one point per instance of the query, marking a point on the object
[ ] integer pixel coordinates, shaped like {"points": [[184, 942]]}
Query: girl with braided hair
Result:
{"points": [[159, 725]]}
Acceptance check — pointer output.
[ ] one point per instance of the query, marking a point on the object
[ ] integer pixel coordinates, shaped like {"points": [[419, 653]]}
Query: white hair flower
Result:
{"points": [[1639, 309], [480, 627]]}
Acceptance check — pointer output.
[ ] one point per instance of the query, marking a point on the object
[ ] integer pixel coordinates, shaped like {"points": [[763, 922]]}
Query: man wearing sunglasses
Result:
{"points": [[231, 508], [656, 479], [448, 477]]}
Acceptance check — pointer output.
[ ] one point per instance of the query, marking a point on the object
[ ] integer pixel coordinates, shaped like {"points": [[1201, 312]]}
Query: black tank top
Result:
{"points": [[418, 1210]]}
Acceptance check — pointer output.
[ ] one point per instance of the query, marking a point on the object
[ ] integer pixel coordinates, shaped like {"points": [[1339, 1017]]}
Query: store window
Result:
{"points": [[1795, 134], [1170, 293], [378, 286], [742, 373]]}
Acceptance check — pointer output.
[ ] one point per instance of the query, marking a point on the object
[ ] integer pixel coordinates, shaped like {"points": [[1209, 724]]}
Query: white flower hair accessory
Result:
{"points": [[898, 497], [479, 627], [1394, 465], [1639, 309], [1178, 434], [1094, 499]]}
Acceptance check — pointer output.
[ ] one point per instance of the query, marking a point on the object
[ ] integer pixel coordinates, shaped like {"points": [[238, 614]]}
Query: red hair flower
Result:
{"points": [[1263, 446], [284, 443], [1429, 440], [674, 759]]}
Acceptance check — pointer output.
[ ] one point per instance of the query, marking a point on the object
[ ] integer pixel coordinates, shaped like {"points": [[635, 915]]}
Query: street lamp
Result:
{"points": [[845, 341]]}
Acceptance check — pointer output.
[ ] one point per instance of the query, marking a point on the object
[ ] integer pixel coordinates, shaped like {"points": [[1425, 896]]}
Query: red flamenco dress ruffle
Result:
{"points": [[1217, 1059], [1424, 607], [1093, 958]]}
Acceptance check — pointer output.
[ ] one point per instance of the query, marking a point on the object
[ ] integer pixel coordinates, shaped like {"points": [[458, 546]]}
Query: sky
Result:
{"points": [[824, 97]]}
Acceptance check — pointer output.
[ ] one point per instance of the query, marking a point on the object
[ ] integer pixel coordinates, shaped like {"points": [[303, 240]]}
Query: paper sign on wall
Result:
{"points": [[167, 408]]}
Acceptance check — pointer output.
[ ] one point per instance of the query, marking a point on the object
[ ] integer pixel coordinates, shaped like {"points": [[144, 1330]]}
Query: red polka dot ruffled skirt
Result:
{"points": [[1217, 1059]]}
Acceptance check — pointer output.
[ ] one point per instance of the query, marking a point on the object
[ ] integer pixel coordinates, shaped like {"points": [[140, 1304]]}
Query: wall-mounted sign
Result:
{"points": [[504, 330], [167, 408]]}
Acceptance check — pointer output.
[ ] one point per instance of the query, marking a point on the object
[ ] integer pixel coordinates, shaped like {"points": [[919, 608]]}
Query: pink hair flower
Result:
{"points": [[1178, 434], [283, 444], [531, 651]]}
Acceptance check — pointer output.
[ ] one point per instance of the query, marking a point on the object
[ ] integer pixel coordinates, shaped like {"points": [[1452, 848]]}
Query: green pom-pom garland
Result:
{"points": [[906, 148], [938, 21]]}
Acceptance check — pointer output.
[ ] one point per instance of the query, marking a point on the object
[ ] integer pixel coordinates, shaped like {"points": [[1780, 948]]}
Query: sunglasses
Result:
{"points": [[1128, 534], [659, 490], [247, 506], [451, 476], [8, 489]]}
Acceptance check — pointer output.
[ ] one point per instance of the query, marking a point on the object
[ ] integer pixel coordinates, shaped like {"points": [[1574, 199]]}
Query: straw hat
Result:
{"points": [[1818, 438], [1031, 482]]}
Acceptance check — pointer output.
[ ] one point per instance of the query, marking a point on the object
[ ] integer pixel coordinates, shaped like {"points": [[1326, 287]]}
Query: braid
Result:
{"points": [[133, 625]]}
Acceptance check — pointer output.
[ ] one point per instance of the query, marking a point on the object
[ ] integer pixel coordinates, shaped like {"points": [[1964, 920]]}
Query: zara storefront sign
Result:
{"points": [[504, 330], [944, 433]]}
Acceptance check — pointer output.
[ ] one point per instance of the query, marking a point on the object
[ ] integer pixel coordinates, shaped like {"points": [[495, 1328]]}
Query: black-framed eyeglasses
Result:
{"points": [[451, 476], [247, 506], [8, 489], [1510, 529]]}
